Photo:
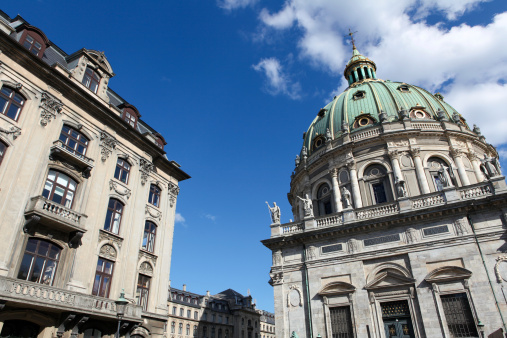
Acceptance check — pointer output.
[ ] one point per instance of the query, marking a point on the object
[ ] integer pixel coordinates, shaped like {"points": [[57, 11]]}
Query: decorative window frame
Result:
{"points": [[449, 280], [337, 294], [363, 116], [321, 140], [388, 286], [404, 88], [359, 95]]}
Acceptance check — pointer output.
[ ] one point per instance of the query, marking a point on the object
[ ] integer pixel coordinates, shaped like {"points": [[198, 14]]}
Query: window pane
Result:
{"points": [[31, 246], [24, 269], [13, 112], [54, 252], [3, 103], [96, 285], [43, 248], [68, 199], [107, 223], [49, 272], [62, 180], [37, 269]]}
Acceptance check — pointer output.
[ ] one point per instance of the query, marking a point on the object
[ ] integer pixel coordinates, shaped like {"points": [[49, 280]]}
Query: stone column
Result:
{"points": [[356, 194], [456, 155], [336, 190], [419, 169], [356, 77], [395, 160], [476, 164]]}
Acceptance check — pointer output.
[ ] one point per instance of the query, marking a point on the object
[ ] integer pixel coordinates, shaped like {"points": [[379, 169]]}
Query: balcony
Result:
{"points": [[54, 215], [31, 294], [60, 151], [419, 203]]}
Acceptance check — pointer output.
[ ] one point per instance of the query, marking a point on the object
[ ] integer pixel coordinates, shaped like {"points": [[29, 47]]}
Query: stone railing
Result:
{"points": [[52, 212], [35, 294], [69, 152], [365, 134], [481, 189], [336, 219], [382, 210], [292, 228], [427, 126], [428, 201]]}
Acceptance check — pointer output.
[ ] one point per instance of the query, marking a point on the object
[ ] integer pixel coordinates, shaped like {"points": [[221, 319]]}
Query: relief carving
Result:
{"points": [[146, 269], [146, 167], [105, 236], [119, 189], [411, 234], [351, 246], [14, 131], [107, 144], [294, 296], [277, 257], [461, 227], [108, 251], [310, 253], [153, 212], [501, 269], [276, 278], [50, 107]]}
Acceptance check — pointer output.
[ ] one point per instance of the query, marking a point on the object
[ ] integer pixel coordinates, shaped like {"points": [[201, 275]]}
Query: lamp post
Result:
{"points": [[121, 305], [480, 325]]}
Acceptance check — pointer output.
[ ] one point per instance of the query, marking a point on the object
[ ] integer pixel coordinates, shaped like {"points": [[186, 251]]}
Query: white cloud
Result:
{"points": [[470, 60], [277, 82], [234, 4], [210, 217], [178, 218]]}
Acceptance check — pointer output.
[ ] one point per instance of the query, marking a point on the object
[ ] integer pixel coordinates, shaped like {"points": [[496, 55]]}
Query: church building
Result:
{"points": [[399, 220]]}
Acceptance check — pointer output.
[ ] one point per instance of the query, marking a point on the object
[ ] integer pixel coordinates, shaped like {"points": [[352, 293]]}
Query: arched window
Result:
{"points": [[174, 311], [324, 200], [60, 188], [11, 103], [74, 141], [180, 328], [91, 79], [154, 197], [204, 331], [19, 328], [150, 231], [39, 261], [143, 291], [103, 276], [377, 182], [195, 330], [188, 330], [3, 148], [189, 314], [122, 171], [212, 332], [173, 327], [34, 46], [181, 312], [196, 314], [113, 216]]}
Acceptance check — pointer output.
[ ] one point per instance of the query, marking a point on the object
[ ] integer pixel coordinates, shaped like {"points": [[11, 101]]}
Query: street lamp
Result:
{"points": [[121, 305], [480, 325]]}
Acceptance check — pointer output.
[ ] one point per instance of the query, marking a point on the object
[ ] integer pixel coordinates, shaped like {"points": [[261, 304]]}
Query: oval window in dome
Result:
{"points": [[318, 142]]}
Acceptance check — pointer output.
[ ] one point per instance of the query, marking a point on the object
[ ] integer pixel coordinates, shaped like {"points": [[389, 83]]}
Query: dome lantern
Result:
{"points": [[359, 67]]}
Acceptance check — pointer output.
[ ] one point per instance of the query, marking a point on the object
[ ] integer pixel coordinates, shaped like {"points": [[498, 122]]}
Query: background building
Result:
{"points": [[400, 216], [88, 196], [227, 314]]}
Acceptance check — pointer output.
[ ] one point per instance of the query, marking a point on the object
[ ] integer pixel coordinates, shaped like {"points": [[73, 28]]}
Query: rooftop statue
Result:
{"points": [[275, 213]]}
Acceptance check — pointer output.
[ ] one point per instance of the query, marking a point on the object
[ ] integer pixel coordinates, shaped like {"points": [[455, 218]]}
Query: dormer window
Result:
{"points": [[363, 120], [91, 79], [160, 141], [130, 118], [360, 94], [404, 89], [32, 45]]}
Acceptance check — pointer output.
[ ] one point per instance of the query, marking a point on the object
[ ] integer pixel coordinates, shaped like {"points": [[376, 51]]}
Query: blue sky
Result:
{"points": [[233, 84]]}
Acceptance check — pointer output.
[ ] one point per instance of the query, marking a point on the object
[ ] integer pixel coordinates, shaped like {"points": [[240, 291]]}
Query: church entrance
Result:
{"points": [[397, 322]]}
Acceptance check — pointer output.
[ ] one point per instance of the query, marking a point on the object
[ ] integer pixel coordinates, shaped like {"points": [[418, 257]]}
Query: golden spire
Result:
{"points": [[351, 34]]}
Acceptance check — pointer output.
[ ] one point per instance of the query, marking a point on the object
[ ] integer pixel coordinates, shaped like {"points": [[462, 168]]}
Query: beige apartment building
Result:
{"points": [[87, 198], [227, 314]]}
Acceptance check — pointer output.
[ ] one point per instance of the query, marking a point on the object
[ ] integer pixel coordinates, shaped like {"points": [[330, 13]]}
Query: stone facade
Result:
{"points": [[88, 196], [227, 314], [405, 227]]}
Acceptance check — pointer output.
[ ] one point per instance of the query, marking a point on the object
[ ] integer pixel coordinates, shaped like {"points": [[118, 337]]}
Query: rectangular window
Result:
{"points": [[103, 276], [458, 315], [143, 291], [189, 313], [379, 193], [39, 262], [341, 322]]}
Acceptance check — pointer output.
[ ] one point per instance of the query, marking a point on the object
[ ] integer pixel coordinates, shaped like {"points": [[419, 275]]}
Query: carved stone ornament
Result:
{"points": [[460, 226], [147, 256], [277, 257], [276, 278], [394, 154], [110, 238], [173, 189], [108, 251], [119, 189], [411, 234], [501, 269], [146, 269], [14, 131], [398, 143], [107, 144], [172, 200], [415, 152], [351, 246], [294, 297], [50, 107], [152, 212], [146, 167], [311, 253]]}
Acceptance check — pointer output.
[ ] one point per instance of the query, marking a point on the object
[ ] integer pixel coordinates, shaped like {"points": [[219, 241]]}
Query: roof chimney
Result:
{"points": [[184, 287]]}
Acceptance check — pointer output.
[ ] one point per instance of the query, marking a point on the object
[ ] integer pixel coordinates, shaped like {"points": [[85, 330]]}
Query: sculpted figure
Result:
{"points": [[275, 212], [400, 187], [298, 160], [490, 166], [277, 257], [444, 176], [328, 135], [307, 205], [346, 200]]}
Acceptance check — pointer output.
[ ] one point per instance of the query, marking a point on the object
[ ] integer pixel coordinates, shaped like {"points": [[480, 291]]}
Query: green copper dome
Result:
{"points": [[369, 101]]}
